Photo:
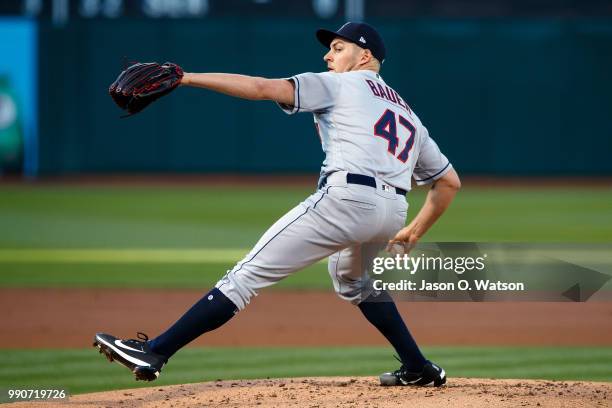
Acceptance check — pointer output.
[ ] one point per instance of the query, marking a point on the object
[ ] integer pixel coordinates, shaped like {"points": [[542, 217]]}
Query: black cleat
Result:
{"points": [[431, 375], [134, 354]]}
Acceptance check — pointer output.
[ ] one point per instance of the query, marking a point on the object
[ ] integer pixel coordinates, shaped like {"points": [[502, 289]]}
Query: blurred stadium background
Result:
{"points": [[516, 92]]}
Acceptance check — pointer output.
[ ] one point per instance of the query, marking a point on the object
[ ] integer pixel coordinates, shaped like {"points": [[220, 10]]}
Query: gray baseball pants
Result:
{"points": [[349, 223]]}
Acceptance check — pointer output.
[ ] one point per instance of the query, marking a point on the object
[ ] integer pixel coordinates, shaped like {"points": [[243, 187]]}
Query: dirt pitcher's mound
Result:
{"points": [[353, 392]]}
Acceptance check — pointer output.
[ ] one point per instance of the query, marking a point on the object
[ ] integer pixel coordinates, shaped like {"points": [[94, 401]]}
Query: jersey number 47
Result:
{"points": [[386, 127]]}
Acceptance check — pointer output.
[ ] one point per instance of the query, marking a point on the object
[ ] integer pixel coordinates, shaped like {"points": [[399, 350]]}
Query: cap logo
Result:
{"points": [[362, 40]]}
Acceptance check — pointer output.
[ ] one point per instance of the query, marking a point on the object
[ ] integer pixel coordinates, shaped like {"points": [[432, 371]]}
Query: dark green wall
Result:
{"points": [[499, 96]]}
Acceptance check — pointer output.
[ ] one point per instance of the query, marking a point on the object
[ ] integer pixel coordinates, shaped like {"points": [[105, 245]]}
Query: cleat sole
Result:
{"points": [[102, 349], [145, 374], [141, 373]]}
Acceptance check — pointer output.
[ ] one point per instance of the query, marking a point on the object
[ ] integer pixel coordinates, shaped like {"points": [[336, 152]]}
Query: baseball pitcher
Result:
{"points": [[374, 145]]}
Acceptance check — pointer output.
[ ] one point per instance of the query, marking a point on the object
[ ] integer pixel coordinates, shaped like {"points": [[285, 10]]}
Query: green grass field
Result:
{"points": [[187, 237], [219, 217], [73, 368]]}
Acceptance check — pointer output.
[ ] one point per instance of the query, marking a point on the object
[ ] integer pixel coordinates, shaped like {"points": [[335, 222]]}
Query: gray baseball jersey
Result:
{"points": [[366, 128]]}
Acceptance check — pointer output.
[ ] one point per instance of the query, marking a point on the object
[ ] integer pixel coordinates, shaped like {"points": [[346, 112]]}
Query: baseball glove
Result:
{"points": [[141, 84]]}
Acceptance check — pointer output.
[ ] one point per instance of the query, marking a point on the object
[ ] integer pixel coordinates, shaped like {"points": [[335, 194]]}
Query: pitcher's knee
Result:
{"points": [[356, 292], [354, 298]]}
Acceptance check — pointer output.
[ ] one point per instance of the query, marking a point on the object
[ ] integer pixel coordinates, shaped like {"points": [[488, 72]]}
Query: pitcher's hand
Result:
{"points": [[404, 241]]}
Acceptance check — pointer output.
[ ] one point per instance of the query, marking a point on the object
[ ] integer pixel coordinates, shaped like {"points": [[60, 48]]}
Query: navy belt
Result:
{"points": [[360, 179]]}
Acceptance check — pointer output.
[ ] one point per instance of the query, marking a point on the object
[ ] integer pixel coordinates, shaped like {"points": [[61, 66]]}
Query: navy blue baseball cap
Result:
{"points": [[362, 34]]}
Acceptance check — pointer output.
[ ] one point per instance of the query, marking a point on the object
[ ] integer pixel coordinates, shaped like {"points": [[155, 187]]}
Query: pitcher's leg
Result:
{"points": [[348, 269], [212, 311], [381, 312], [310, 232], [299, 238]]}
